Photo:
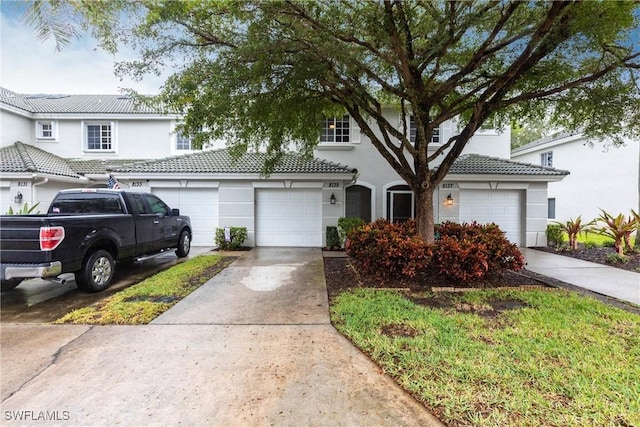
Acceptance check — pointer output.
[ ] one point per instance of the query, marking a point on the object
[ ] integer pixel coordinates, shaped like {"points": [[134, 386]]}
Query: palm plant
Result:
{"points": [[24, 210], [573, 228], [618, 228]]}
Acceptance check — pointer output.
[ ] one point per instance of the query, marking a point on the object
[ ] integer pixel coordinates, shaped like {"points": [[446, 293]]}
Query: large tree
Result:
{"points": [[267, 72]]}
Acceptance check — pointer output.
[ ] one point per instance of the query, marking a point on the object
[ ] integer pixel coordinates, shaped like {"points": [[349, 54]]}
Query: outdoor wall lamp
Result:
{"points": [[332, 199], [18, 198], [449, 200]]}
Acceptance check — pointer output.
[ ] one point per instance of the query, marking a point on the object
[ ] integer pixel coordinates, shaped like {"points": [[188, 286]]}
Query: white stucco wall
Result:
{"points": [[600, 177], [14, 127]]}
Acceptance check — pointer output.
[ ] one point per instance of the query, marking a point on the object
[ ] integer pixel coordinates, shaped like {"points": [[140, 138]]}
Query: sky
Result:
{"points": [[30, 66]]}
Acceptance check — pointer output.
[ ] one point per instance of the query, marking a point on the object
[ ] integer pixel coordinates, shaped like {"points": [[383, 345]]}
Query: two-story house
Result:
{"points": [[602, 176], [50, 142]]}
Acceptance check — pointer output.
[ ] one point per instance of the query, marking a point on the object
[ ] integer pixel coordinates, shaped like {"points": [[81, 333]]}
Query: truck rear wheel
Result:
{"points": [[9, 284], [97, 273], [184, 244]]}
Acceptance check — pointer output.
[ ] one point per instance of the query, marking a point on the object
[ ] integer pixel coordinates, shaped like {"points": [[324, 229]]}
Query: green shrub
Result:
{"points": [[237, 236], [555, 235], [346, 225], [387, 250], [332, 237], [616, 258], [471, 252]]}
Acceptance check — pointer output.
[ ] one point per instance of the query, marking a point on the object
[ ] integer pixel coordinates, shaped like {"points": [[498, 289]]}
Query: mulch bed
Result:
{"points": [[340, 275], [597, 255]]}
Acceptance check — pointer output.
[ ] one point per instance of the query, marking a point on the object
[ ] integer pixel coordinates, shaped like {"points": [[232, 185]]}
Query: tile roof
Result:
{"points": [[61, 103], [20, 157], [550, 138], [96, 166], [471, 164], [221, 161]]}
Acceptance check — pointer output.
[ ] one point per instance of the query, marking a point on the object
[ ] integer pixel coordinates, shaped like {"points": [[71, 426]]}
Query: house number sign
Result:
{"points": [[23, 183], [334, 185], [136, 184], [447, 185]]}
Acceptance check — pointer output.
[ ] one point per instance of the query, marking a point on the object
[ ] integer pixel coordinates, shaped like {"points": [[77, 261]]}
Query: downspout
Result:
{"points": [[33, 190]]}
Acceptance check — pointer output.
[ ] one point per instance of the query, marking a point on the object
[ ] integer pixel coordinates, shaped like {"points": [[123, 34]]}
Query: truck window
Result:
{"points": [[86, 203], [157, 206], [138, 203]]}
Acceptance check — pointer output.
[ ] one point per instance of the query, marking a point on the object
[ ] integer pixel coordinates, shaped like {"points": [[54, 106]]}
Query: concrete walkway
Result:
{"points": [[614, 282], [251, 347]]}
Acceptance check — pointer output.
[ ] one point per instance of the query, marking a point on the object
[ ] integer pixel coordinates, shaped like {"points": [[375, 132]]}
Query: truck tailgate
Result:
{"points": [[20, 239]]}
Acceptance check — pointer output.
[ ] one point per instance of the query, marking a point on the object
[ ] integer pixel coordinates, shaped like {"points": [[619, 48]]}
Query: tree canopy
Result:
{"points": [[267, 72]]}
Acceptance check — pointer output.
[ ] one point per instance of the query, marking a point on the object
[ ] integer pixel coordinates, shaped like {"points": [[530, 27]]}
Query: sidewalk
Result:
{"points": [[252, 347], [614, 282]]}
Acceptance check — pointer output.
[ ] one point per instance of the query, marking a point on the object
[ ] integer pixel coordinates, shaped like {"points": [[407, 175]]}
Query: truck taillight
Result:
{"points": [[51, 237]]}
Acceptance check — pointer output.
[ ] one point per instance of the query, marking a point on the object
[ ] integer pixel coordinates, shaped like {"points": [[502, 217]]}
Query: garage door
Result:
{"points": [[200, 204], [288, 217], [501, 207]]}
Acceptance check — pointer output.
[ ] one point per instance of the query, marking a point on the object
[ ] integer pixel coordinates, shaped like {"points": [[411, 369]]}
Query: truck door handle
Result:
{"points": [[156, 222]]}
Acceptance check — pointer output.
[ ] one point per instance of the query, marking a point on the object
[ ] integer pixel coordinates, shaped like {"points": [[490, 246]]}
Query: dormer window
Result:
{"points": [[46, 130], [335, 129], [413, 132]]}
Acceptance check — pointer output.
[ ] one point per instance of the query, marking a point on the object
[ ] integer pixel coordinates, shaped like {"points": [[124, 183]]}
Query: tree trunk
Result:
{"points": [[424, 214]]}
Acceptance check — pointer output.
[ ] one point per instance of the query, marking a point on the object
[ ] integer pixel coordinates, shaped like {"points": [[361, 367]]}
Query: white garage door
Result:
{"points": [[200, 204], [290, 217], [501, 207]]}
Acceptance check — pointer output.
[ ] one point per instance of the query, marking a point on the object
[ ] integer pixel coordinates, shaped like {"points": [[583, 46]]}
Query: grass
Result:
{"points": [[562, 360], [143, 302]]}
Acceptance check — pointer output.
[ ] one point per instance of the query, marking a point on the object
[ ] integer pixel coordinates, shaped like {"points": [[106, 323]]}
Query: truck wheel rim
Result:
{"points": [[101, 271], [186, 243]]}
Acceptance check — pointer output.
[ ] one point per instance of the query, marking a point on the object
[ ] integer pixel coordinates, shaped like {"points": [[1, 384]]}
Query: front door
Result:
{"points": [[401, 206]]}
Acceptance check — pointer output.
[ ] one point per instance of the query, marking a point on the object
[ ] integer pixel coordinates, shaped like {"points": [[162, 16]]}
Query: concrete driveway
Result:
{"points": [[253, 346]]}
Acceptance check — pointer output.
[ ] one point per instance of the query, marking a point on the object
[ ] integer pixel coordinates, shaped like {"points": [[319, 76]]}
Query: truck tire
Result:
{"points": [[9, 284], [184, 244], [97, 273]]}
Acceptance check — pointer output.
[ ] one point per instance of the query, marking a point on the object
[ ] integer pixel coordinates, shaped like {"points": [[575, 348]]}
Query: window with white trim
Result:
{"points": [[183, 142], [99, 136], [46, 129], [335, 129], [546, 159], [413, 131]]}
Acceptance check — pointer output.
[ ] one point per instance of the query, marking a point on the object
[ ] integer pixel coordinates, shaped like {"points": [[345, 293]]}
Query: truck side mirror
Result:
{"points": [[175, 212]]}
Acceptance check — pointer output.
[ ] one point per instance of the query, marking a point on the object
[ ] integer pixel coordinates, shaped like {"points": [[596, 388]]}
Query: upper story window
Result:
{"points": [[335, 129], [99, 136], [546, 159], [183, 142], [413, 131], [46, 129]]}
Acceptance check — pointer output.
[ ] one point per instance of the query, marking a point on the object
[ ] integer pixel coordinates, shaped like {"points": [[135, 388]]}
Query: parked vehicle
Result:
{"points": [[86, 232]]}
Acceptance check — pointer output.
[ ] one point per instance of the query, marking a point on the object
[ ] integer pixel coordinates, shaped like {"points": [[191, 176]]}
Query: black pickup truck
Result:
{"points": [[86, 232]]}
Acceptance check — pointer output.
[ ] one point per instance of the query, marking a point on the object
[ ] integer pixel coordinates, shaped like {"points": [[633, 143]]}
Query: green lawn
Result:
{"points": [[143, 302], [562, 359]]}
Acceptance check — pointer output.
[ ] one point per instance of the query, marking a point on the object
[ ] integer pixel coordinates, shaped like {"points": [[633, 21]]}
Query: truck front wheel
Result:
{"points": [[97, 273]]}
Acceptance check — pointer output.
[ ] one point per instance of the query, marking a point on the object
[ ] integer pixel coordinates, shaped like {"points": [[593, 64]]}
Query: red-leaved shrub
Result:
{"points": [[470, 252], [388, 250]]}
